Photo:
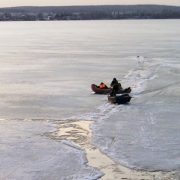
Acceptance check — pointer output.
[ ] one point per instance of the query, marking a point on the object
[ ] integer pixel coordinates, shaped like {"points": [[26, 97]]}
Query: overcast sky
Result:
{"points": [[5, 3]]}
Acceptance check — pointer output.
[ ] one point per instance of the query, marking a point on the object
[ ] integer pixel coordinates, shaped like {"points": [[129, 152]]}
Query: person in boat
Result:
{"points": [[114, 81], [102, 86]]}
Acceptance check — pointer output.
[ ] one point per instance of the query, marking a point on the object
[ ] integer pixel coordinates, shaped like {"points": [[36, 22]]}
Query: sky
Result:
{"points": [[9, 3]]}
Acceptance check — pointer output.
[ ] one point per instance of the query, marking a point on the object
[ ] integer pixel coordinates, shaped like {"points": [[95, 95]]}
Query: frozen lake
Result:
{"points": [[46, 69]]}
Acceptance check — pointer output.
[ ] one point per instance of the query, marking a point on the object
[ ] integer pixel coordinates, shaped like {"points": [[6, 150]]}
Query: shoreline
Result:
{"points": [[79, 132]]}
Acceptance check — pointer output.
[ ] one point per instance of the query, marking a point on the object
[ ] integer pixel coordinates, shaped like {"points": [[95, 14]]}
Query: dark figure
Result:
{"points": [[117, 88], [114, 90], [114, 81]]}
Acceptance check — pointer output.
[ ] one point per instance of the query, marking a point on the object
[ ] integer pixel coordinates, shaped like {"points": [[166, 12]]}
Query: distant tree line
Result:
{"points": [[89, 13]]}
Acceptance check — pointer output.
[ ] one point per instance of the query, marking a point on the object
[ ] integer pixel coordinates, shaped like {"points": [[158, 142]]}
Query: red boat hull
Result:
{"points": [[97, 90]]}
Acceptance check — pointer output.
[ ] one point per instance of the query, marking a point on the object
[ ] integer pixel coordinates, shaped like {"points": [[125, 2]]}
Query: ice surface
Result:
{"points": [[27, 153], [46, 70]]}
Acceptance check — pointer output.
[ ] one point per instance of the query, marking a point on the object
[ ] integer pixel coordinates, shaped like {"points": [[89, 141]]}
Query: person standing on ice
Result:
{"points": [[114, 81]]}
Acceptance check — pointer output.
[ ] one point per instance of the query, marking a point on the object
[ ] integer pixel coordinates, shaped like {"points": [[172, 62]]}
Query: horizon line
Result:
{"points": [[92, 5]]}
